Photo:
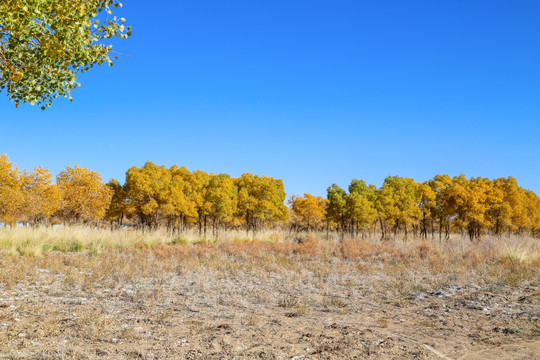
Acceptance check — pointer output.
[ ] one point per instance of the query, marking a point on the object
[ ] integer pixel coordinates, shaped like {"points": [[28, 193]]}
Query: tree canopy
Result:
{"points": [[45, 43], [84, 195], [308, 212]]}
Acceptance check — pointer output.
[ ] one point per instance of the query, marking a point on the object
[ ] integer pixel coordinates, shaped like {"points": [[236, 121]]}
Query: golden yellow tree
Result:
{"points": [[118, 206], [360, 206], [397, 203], [509, 213], [84, 196], [147, 192], [222, 196], [198, 182], [443, 208], [426, 203], [336, 209], [515, 196], [309, 211], [181, 191], [500, 211], [260, 200], [41, 196], [11, 196], [471, 201], [533, 211]]}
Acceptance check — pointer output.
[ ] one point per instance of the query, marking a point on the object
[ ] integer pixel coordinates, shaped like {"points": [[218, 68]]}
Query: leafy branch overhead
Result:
{"points": [[44, 44]]}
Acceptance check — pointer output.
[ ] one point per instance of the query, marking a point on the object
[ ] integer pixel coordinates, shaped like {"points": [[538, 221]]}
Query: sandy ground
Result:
{"points": [[276, 307]]}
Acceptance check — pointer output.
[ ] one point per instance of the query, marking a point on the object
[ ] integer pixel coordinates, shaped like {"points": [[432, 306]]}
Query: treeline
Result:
{"points": [[439, 206], [32, 197], [151, 196], [177, 198]]}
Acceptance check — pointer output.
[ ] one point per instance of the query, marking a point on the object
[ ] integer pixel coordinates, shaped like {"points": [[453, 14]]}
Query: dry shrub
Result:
{"points": [[162, 251], [351, 249], [250, 247], [363, 268], [288, 302], [335, 302], [310, 246], [355, 248], [472, 258], [515, 274], [363, 249], [93, 325], [536, 262], [437, 263], [392, 252], [424, 249], [145, 254]]}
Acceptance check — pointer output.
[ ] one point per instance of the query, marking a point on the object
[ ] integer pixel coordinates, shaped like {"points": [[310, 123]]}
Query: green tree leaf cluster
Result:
{"points": [[352, 211], [44, 44]]}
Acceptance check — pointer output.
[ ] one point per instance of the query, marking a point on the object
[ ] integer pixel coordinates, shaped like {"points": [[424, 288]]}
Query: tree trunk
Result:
{"points": [[423, 231], [440, 227], [205, 226]]}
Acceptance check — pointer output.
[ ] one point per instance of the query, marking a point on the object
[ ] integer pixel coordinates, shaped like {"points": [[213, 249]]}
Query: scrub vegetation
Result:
{"points": [[84, 293]]}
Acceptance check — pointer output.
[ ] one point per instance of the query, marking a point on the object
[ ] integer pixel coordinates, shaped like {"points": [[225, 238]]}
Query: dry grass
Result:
{"points": [[509, 259], [41, 240], [117, 291]]}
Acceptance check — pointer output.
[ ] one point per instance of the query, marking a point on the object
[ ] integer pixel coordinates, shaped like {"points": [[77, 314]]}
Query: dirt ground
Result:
{"points": [[270, 306]]}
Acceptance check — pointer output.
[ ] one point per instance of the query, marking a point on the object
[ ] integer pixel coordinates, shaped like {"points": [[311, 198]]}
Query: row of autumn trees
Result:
{"points": [[439, 206], [32, 197], [178, 198], [151, 196]]}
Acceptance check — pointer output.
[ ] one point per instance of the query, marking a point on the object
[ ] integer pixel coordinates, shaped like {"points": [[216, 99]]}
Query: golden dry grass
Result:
{"points": [[135, 295]]}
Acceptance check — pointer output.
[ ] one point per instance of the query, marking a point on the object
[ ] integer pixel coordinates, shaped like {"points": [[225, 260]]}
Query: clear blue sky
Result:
{"points": [[313, 92]]}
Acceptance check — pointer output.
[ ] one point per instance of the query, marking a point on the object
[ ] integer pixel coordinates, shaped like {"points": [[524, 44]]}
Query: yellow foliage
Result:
{"points": [[41, 195], [178, 198], [309, 211], [84, 196], [260, 200], [11, 197]]}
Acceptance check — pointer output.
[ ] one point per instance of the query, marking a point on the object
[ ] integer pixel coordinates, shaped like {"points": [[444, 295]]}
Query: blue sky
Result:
{"points": [[312, 92]]}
